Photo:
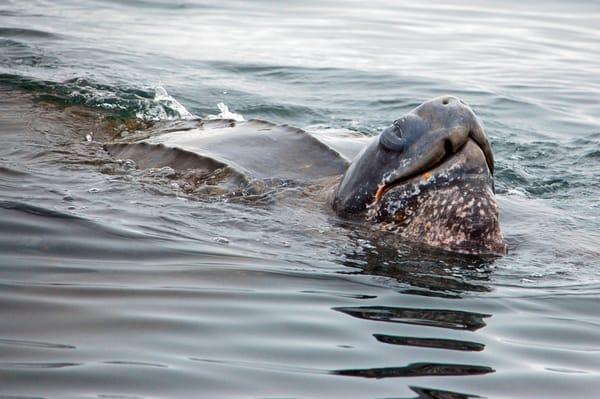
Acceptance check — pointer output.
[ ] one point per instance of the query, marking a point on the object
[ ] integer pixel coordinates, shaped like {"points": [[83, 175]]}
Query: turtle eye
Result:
{"points": [[391, 138], [398, 127]]}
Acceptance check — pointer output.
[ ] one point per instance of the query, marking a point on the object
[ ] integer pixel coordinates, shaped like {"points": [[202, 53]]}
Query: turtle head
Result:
{"points": [[429, 177]]}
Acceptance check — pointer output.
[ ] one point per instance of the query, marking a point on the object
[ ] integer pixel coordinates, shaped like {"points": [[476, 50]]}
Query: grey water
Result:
{"points": [[116, 283]]}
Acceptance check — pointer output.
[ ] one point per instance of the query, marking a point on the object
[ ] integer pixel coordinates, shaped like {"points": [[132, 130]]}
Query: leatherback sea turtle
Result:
{"points": [[428, 177]]}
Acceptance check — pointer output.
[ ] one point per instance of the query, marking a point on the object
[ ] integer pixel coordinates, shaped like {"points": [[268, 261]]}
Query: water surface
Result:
{"points": [[118, 283]]}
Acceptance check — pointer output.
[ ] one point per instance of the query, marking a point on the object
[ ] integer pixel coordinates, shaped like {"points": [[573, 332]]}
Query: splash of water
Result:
{"points": [[226, 114], [164, 107]]}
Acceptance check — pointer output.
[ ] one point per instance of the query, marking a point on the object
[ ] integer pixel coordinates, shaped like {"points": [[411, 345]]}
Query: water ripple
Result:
{"points": [[444, 318], [429, 393], [437, 343], [34, 344], [38, 365], [26, 33], [417, 370]]}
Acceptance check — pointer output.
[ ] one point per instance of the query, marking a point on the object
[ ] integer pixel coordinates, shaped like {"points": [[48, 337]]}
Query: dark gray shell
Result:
{"points": [[255, 148]]}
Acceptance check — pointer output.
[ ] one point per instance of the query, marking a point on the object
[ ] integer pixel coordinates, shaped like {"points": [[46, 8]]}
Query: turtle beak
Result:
{"points": [[415, 144]]}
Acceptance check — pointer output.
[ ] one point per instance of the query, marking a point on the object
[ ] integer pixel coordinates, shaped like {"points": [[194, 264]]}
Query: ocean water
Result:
{"points": [[117, 283]]}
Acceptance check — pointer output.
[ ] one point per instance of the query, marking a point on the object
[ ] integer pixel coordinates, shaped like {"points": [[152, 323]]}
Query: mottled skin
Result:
{"points": [[429, 178]]}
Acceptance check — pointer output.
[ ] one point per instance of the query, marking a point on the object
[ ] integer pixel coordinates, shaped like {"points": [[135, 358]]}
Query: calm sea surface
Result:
{"points": [[114, 283]]}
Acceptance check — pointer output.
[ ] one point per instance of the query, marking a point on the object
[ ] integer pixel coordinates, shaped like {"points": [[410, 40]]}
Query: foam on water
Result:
{"points": [[164, 107], [225, 114]]}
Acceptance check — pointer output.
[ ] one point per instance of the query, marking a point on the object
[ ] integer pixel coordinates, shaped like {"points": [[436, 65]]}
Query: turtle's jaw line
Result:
{"points": [[384, 186], [381, 189]]}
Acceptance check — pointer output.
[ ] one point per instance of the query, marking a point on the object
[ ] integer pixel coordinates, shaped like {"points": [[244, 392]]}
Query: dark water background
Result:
{"points": [[118, 284]]}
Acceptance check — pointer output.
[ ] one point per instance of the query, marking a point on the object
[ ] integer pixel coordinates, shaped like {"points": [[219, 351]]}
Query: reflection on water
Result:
{"points": [[450, 319], [442, 318], [425, 270], [427, 393], [440, 343], [417, 370]]}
